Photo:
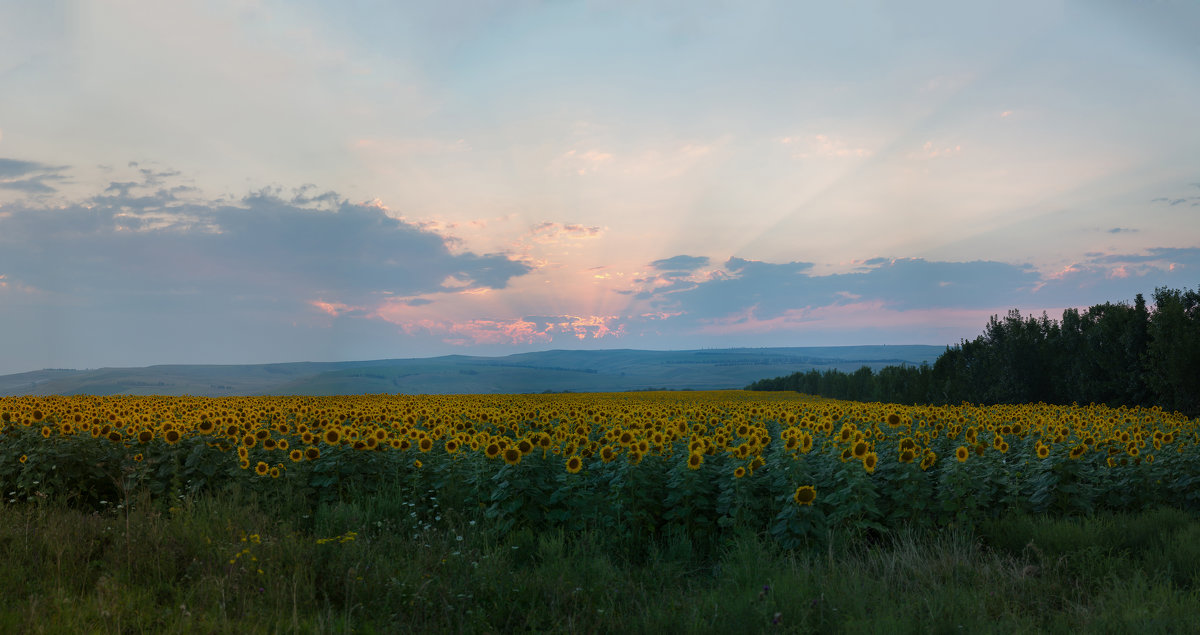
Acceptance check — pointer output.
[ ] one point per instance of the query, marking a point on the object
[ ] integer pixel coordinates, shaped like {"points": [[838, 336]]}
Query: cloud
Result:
{"points": [[29, 177], [582, 162], [549, 232], [822, 145], [753, 297], [137, 245], [1176, 200], [516, 331], [680, 263], [777, 288], [931, 151], [671, 275], [1122, 230]]}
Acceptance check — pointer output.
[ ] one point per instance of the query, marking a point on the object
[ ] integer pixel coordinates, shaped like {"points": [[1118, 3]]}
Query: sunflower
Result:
{"points": [[23, 458], [805, 495], [296, 455], [145, 436], [574, 464], [262, 468], [269, 444], [739, 473], [869, 460], [695, 460], [45, 432], [893, 419], [274, 472], [418, 464], [524, 447], [243, 452], [806, 442], [249, 440], [907, 456], [492, 450], [607, 454], [962, 453], [171, 437], [332, 436], [512, 456], [312, 453], [138, 457], [1043, 451]]}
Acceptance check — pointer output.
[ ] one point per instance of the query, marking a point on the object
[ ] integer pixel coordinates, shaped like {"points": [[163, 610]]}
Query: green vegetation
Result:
{"points": [[1115, 354], [396, 562]]}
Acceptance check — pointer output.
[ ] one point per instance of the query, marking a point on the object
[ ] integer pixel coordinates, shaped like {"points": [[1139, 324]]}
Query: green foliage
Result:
{"points": [[1115, 354], [243, 562]]}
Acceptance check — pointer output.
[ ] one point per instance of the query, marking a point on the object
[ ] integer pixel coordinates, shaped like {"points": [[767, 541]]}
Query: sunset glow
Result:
{"points": [[243, 182]]}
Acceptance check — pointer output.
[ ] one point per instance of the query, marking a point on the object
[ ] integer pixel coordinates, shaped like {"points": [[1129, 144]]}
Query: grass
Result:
{"points": [[245, 563]]}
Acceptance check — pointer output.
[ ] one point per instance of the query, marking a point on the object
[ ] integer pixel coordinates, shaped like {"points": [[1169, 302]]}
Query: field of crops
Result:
{"points": [[791, 466]]}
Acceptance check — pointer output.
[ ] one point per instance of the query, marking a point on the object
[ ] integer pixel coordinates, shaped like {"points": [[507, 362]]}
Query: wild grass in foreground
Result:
{"points": [[249, 563]]}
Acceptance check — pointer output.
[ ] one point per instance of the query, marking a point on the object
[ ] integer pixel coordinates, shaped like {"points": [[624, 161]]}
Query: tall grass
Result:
{"points": [[398, 563]]}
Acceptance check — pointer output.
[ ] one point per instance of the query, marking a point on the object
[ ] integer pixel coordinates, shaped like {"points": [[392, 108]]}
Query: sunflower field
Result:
{"points": [[639, 464]]}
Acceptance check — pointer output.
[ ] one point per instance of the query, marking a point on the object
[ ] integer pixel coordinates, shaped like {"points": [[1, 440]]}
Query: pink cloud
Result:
{"points": [[17, 286], [583, 162], [930, 151], [501, 331], [859, 315], [334, 309], [550, 233]]}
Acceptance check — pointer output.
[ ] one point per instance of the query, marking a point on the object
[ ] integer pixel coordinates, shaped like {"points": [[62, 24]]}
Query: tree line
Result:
{"points": [[1115, 354]]}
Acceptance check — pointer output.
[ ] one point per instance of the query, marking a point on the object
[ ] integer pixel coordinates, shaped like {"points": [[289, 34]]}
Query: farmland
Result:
{"points": [[567, 485]]}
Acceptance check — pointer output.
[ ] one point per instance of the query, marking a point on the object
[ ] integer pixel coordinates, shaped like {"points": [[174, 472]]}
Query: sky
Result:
{"points": [[227, 182]]}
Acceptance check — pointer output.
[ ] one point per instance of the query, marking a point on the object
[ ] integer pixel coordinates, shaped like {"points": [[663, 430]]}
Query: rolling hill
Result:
{"points": [[553, 371]]}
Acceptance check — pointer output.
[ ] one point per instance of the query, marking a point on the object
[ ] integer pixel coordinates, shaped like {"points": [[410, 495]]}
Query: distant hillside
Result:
{"points": [[557, 370]]}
